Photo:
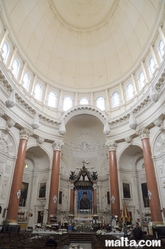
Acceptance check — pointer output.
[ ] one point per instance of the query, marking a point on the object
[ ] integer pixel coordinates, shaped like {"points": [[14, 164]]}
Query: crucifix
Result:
{"points": [[84, 162]]}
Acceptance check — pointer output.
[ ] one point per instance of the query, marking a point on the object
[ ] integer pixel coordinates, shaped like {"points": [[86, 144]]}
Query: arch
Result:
{"points": [[44, 149], [115, 99], [9, 140], [84, 101], [91, 110], [157, 146], [100, 103], [26, 81], [6, 50], [16, 67], [119, 156]]}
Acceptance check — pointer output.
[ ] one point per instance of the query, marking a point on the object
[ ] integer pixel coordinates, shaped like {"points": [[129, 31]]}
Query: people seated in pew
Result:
{"points": [[51, 242]]}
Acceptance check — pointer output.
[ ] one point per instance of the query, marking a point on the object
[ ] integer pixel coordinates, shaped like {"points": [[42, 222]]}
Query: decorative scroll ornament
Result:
{"points": [[11, 100], [106, 128], [143, 133], [25, 133], [112, 199], [62, 129], [57, 145], [54, 199], [35, 124], [112, 145], [18, 194], [9, 123], [40, 140], [154, 96], [132, 121]]}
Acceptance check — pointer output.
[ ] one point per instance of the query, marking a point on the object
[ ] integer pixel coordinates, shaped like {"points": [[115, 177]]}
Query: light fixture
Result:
{"points": [[25, 165]]}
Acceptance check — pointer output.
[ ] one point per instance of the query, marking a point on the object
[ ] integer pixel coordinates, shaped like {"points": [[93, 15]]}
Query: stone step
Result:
{"points": [[80, 237]]}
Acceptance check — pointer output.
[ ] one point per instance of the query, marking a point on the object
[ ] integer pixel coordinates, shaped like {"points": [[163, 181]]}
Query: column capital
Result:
{"points": [[71, 185], [143, 133], [25, 133], [57, 145], [95, 186], [111, 145]]}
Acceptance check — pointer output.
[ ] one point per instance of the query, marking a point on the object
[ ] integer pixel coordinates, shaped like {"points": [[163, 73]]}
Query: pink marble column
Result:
{"points": [[17, 177], [114, 187], [153, 193], [71, 210], [94, 198], [54, 183]]}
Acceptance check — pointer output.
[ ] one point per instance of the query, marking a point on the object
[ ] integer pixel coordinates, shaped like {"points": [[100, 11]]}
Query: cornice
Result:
{"points": [[144, 103], [22, 101]]}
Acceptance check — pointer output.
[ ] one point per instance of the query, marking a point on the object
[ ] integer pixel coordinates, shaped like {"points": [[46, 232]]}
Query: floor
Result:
{"points": [[82, 246]]}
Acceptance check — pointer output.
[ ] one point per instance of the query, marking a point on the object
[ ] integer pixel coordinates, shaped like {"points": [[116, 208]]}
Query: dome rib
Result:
{"points": [[54, 46], [114, 44]]}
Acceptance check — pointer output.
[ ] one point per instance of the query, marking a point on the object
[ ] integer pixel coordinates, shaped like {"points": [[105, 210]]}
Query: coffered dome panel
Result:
{"points": [[83, 44]]}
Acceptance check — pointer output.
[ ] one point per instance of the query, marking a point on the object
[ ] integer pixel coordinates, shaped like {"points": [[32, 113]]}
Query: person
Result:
{"points": [[85, 202], [51, 242], [137, 232]]}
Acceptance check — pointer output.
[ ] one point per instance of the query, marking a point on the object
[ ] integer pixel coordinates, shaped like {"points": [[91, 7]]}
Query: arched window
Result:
{"points": [[141, 80], [38, 92], [52, 99], [129, 91], [26, 81], [115, 99], [67, 103], [151, 66], [84, 101], [100, 103], [5, 52], [161, 49], [16, 66]]}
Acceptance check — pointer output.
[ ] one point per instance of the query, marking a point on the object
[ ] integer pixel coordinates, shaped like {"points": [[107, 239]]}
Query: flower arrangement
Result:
{"points": [[100, 232], [48, 226], [62, 231], [146, 217]]}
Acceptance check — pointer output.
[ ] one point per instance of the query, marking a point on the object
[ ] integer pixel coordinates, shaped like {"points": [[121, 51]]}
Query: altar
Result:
{"points": [[83, 192], [83, 224]]}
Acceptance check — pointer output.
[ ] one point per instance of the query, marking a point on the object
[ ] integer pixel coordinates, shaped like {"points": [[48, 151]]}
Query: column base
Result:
{"points": [[12, 222], [154, 223]]}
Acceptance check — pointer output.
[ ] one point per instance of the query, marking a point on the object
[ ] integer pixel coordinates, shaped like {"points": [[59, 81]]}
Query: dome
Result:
{"points": [[83, 44]]}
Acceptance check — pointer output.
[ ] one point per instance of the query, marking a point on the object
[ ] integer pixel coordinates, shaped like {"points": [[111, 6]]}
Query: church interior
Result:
{"points": [[82, 114]]}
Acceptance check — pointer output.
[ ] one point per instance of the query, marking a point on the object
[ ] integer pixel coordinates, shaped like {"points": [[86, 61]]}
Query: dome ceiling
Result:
{"points": [[82, 44]]}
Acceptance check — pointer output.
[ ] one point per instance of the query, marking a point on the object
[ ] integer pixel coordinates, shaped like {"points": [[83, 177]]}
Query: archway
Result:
{"points": [[35, 187]]}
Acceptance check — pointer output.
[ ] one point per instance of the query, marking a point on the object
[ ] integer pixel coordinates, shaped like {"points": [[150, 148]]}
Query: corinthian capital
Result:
{"points": [[57, 145], [111, 145], [143, 133], [25, 133]]}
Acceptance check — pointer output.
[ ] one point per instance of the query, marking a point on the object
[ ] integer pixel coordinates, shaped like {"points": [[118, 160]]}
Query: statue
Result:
{"points": [[18, 194], [94, 175], [72, 175]]}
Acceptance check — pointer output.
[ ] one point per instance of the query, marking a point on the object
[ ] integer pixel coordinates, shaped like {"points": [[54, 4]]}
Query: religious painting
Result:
{"points": [[40, 217], [85, 200], [42, 190], [126, 190], [145, 194], [60, 197], [108, 197], [23, 196]]}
